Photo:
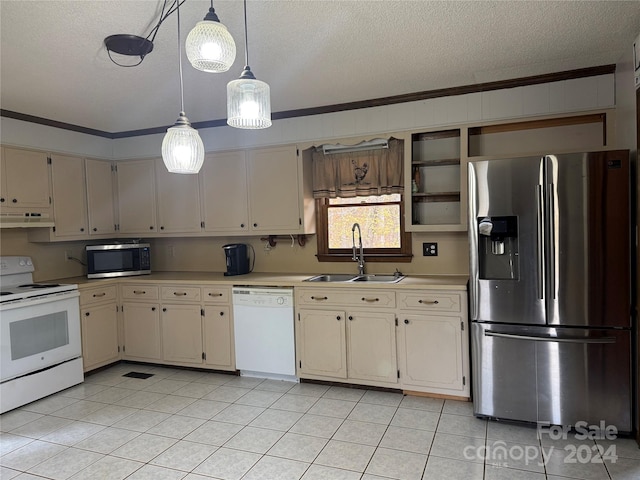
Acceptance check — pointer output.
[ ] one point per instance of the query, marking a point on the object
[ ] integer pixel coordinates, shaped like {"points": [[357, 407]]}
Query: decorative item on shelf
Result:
{"points": [[248, 99], [210, 46], [417, 179], [182, 147], [414, 187]]}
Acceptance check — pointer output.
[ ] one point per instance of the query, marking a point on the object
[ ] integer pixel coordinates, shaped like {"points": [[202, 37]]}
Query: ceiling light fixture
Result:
{"points": [[248, 99], [210, 46], [182, 147]]}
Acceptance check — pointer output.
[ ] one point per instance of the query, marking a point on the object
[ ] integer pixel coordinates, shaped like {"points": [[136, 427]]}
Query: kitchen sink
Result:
{"points": [[378, 278], [332, 277], [345, 277]]}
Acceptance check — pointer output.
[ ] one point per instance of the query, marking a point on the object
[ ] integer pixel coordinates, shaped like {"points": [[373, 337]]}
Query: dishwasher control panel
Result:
{"points": [[263, 297]]}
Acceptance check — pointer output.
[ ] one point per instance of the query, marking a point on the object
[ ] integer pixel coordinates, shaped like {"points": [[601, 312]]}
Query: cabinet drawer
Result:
{"points": [[178, 293], [95, 295], [320, 297], [430, 300], [215, 294], [140, 292]]}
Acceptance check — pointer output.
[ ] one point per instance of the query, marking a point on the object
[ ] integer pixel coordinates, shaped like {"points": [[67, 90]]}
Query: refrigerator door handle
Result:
{"points": [[551, 225], [490, 333], [540, 240]]}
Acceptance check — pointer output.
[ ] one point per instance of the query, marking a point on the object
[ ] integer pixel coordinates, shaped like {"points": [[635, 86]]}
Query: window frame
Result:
{"points": [[324, 254]]}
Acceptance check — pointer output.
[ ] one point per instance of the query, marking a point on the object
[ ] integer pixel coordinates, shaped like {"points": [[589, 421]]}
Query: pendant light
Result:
{"points": [[248, 99], [210, 46], [182, 148]]}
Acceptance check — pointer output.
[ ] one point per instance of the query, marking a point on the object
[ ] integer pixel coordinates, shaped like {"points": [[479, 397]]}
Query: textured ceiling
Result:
{"points": [[311, 53]]}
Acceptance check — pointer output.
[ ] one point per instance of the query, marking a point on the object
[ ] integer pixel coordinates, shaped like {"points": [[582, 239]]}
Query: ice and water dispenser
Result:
{"points": [[498, 248]]}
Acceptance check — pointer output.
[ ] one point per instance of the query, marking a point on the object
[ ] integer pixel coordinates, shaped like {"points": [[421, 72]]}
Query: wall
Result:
{"points": [[205, 254]]}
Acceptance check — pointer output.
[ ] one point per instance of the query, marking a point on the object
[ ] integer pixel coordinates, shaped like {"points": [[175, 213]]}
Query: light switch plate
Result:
{"points": [[430, 249]]}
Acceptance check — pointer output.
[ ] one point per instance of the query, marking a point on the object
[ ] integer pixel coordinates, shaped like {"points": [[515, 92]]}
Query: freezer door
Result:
{"points": [[504, 374], [507, 189], [588, 238], [584, 375]]}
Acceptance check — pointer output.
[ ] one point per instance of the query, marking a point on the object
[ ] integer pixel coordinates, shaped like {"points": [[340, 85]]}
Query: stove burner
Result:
{"points": [[39, 285]]}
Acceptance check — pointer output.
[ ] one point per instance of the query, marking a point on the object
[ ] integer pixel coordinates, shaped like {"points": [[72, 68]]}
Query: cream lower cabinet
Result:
{"points": [[99, 326], [182, 333], [141, 322], [347, 334], [219, 348], [433, 342]]}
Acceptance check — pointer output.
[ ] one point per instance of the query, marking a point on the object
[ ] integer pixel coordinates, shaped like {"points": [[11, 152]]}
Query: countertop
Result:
{"points": [[266, 279]]}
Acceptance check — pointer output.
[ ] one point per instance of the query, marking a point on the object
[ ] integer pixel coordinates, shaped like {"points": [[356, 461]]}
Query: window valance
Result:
{"points": [[359, 173]]}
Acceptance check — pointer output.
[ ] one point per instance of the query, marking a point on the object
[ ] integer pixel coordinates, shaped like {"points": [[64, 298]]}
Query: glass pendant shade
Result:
{"points": [[248, 102], [210, 46], [182, 148]]}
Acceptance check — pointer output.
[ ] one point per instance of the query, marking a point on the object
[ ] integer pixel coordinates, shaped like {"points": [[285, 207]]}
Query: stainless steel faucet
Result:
{"points": [[355, 258]]}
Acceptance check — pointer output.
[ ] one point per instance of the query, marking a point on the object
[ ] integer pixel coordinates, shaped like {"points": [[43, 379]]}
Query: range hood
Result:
{"points": [[25, 220]]}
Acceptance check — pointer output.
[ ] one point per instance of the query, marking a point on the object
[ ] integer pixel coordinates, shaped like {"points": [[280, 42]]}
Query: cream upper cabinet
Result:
{"points": [[371, 346], [273, 180], [178, 201], [69, 199], [223, 181], [25, 179], [136, 197], [100, 197]]}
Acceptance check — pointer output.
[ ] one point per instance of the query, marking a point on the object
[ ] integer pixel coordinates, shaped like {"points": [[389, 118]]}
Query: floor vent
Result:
{"points": [[138, 375]]}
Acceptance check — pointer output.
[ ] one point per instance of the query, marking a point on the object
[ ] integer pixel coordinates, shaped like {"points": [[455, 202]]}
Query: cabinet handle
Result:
{"points": [[221, 314], [242, 225], [153, 309], [139, 292], [82, 229], [179, 294], [214, 294], [102, 294], [338, 318], [1, 199], [86, 314], [14, 200], [320, 299], [255, 224], [151, 227], [164, 309], [162, 227], [365, 299], [95, 229], [350, 317], [406, 322], [429, 302]]}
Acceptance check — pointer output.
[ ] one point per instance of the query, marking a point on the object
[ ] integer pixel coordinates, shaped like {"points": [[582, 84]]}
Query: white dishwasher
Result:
{"points": [[263, 322]]}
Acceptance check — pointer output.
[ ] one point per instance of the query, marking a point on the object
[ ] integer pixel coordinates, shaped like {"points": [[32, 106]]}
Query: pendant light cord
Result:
{"points": [[180, 61], [246, 42]]}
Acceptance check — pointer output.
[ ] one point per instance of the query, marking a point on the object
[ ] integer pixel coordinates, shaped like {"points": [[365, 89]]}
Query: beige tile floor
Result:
{"points": [[190, 425]]}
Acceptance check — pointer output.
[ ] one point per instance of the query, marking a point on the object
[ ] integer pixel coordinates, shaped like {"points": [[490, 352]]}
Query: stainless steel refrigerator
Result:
{"points": [[549, 289]]}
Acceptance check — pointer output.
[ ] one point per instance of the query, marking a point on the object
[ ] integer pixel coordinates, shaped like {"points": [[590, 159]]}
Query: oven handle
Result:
{"points": [[39, 300]]}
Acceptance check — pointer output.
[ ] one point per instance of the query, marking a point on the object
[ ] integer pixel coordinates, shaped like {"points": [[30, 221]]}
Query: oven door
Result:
{"points": [[38, 333]]}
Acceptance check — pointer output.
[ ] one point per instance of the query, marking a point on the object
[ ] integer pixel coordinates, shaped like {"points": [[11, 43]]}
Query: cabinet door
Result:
{"points": [[223, 180], [431, 351], [99, 335], [274, 200], [26, 179], [218, 337], [100, 197], [178, 201], [322, 347], [141, 324], [182, 333], [137, 196], [371, 346], [69, 200]]}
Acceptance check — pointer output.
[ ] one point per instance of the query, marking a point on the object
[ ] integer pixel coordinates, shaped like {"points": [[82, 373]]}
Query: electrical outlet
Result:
{"points": [[67, 255], [430, 249]]}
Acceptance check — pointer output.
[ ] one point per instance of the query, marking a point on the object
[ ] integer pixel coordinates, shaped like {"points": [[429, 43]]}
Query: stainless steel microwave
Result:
{"points": [[118, 260]]}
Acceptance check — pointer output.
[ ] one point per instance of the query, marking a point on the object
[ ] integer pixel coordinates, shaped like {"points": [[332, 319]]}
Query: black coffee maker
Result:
{"points": [[237, 259]]}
